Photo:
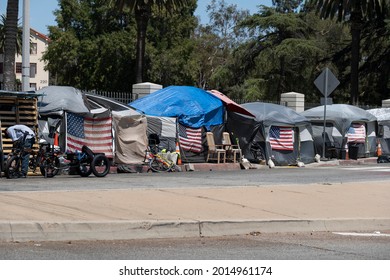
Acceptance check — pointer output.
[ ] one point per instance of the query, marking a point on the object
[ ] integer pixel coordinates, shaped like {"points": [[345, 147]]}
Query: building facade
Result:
{"points": [[39, 77]]}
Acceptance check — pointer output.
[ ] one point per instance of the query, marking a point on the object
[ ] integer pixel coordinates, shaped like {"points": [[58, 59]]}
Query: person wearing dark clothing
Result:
{"points": [[16, 133]]}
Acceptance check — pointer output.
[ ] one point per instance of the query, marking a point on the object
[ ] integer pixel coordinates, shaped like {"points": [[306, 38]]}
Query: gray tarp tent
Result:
{"points": [[341, 120], [130, 125], [284, 135], [383, 117]]}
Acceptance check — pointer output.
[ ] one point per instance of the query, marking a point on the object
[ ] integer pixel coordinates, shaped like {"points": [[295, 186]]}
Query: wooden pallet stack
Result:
{"points": [[16, 110]]}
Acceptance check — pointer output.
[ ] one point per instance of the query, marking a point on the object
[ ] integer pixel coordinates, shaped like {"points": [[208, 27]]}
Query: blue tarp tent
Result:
{"points": [[193, 107]]}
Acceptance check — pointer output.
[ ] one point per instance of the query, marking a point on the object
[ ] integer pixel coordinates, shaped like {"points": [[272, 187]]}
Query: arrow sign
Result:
{"points": [[326, 82]]}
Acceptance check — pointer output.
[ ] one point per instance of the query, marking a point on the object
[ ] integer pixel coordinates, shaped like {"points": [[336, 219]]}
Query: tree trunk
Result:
{"points": [[142, 15], [356, 27], [11, 32]]}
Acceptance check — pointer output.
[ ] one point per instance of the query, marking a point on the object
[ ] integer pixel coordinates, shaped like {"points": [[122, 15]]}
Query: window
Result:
{"points": [[18, 68], [33, 70], [33, 86], [33, 48], [1, 68]]}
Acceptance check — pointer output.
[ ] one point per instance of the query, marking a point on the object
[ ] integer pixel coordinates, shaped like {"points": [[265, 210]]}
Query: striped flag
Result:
{"points": [[190, 139], [95, 133], [357, 133], [281, 138]]}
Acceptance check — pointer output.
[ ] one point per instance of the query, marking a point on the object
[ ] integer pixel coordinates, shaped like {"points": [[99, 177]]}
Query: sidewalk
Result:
{"points": [[192, 212]]}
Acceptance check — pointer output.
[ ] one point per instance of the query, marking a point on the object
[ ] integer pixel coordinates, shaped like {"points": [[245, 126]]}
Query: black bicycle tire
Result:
{"points": [[14, 171], [84, 169], [156, 165], [96, 163], [48, 163]]}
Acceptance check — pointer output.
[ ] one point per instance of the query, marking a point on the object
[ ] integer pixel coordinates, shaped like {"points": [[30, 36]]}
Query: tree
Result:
{"points": [[2, 36], [11, 33], [215, 43], [90, 46], [281, 57], [143, 11], [356, 12]]}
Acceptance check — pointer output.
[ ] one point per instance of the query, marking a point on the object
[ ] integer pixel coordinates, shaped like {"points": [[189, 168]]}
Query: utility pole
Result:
{"points": [[26, 46]]}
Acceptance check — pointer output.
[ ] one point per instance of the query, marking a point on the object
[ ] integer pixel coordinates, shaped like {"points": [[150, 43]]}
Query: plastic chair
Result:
{"points": [[231, 150], [215, 152]]}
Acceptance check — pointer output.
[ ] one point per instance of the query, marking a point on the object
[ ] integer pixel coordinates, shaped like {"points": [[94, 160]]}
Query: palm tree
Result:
{"points": [[356, 12], [2, 36], [143, 10], [11, 33]]}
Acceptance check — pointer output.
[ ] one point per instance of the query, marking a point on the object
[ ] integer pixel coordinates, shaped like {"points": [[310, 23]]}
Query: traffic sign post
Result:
{"points": [[326, 82]]}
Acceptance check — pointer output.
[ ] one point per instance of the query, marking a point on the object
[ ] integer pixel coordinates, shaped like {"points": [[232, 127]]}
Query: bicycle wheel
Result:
{"points": [[50, 167], [84, 169], [159, 165], [100, 165], [12, 167]]}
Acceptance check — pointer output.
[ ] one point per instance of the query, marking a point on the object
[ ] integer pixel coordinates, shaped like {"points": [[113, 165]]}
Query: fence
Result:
{"points": [[124, 97]]}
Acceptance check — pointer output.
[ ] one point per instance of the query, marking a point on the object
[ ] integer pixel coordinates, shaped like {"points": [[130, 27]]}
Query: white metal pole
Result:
{"points": [[26, 46]]}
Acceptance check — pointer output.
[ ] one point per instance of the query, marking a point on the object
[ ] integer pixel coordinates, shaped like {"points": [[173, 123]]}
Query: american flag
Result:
{"points": [[357, 133], [281, 138], [95, 133], [190, 139]]}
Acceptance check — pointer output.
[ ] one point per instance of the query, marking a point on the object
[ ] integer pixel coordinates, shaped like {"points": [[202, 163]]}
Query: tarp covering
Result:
{"points": [[274, 114], [130, 137], [342, 115], [230, 104], [272, 122], [166, 129], [383, 116], [59, 99], [192, 106], [97, 101], [339, 119]]}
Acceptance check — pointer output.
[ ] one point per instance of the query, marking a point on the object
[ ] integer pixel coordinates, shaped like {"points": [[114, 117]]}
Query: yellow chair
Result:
{"points": [[215, 152], [232, 151]]}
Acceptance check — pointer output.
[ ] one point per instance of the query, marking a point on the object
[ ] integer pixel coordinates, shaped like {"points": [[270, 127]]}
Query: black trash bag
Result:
{"points": [[383, 159]]}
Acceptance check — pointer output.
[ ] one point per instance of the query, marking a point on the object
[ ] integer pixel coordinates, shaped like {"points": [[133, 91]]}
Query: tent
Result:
{"points": [[92, 120], [193, 107], [383, 117], [196, 111], [283, 134], [346, 125]]}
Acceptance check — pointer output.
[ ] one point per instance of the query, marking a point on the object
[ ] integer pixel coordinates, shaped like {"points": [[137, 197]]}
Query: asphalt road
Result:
{"points": [[253, 177], [286, 246]]}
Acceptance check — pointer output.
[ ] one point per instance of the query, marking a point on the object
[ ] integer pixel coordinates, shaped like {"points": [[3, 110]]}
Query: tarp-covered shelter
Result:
{"points": [[284, 135], [91, 120], [346, 126], [383, 117], [196, 111], [193, 107]]}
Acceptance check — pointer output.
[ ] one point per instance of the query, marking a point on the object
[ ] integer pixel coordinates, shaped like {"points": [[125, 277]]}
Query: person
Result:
{"points": [[16, 133]]}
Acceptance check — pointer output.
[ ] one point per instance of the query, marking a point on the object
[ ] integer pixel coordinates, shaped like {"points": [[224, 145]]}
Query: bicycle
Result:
{"points": [[84, 163], [257, 151], [13, 163], [157, 163]]}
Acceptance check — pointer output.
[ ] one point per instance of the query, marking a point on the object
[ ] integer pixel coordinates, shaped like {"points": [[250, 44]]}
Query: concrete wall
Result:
{"points": [[143, 89], [386, 103], [293, 100]]}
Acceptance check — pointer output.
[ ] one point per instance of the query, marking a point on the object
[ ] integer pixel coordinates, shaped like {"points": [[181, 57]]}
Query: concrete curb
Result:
{"points": [[125, 230]]}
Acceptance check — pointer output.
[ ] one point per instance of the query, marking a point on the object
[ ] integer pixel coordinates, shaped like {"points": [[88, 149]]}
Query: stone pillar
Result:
{"points": [[143, 89], [386, 103], [293, 100]]}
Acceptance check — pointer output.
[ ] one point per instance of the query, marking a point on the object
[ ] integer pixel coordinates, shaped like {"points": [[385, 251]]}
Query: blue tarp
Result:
{"points": [[192, 106]]}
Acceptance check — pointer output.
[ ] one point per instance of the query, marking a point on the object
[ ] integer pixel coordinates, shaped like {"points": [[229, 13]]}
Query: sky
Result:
{"points": [[41, 11]]}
